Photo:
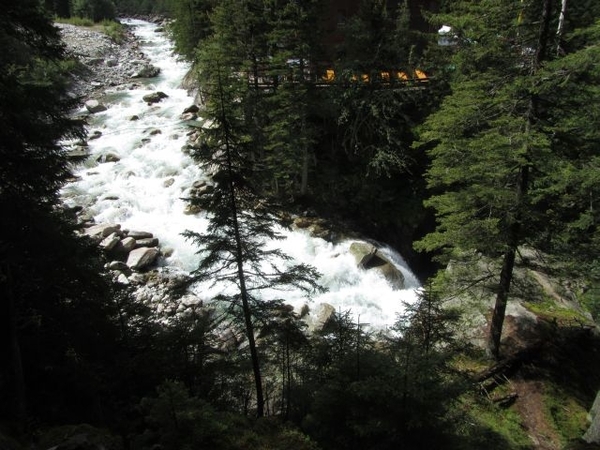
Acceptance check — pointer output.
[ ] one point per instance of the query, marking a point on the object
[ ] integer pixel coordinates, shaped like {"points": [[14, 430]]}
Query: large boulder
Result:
{"points": [[142, 258], [146, 71], [368, 257], [94, 106], [320, 317], [155, 97]]}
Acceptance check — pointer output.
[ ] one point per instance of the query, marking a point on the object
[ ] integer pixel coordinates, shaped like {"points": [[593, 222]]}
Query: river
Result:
{"points": [[143, 186]]}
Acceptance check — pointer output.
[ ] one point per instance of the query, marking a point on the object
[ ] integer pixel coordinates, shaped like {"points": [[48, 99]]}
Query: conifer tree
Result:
{"points": [[290, 134], [235, 250], [49, 279], [494, 140]]}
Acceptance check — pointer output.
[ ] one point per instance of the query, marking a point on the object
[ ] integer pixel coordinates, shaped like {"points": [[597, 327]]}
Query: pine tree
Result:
{"points": [[494, 139], [49, 278], [290, 133], [235, 249], [191, 25]]}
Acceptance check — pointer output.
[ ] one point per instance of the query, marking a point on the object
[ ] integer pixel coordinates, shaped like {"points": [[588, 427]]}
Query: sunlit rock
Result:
{"points": [[128, 243], [592, 435], [190, 210], [102, 230], [139, 234], [117, 265], [146, 71], [146, 242], [318, 318], [94, 106], [369, 258], [142, 258], [109, 242]]}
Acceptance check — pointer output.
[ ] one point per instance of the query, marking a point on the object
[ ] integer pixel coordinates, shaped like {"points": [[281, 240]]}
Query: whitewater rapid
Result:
{"points": [[144, 186]]}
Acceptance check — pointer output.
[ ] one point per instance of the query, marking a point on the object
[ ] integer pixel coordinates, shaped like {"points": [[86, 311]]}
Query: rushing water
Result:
{"points": [[143, 190]]}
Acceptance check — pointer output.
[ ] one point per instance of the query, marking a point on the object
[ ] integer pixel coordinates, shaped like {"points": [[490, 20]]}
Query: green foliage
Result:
{"points": [[502, 154], [50, 278], [192, 24], [96, 10], [114, 30], [177, 420], [402, 394], [495, 428], [77, 21], [133, 7], [566, 413]]}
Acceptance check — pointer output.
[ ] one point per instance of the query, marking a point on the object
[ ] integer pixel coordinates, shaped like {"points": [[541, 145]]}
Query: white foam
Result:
{"points": [[132, 192]]}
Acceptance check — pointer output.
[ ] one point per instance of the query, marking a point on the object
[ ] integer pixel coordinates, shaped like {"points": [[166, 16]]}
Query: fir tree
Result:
{"points": [[495, 138], [235, 249], [49, 278]]}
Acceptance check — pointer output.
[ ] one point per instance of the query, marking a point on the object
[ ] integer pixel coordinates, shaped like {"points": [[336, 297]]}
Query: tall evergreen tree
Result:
{"points": [[235, 249], [191, 25], [49, 279], [291, 136], [494, 140]]}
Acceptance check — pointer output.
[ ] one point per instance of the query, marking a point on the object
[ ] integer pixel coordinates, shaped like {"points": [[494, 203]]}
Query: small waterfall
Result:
{"points": [[142, 188]]}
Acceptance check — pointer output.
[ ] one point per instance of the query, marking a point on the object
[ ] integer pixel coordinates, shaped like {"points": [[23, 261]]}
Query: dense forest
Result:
{"points": [[483, 172]]}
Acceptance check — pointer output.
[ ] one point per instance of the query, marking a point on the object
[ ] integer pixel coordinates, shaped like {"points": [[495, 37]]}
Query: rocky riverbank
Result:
{"points": [[103, 63], [106, 65]]}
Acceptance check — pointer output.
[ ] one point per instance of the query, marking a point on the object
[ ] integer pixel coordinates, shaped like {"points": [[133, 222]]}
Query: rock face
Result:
{"points": [[592, 435], [369, 258]]}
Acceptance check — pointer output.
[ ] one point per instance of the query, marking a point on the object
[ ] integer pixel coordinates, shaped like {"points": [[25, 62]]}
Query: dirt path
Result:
{"points": [[530, 405]]}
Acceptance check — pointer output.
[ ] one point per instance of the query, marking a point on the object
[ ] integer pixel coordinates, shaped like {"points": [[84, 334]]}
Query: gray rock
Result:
{"points": [[78, 153], [191, 109], [128, 243], [94, 106], [592, 435], [146, 242], [147, 71], [103, 230], [155, 97], [139, 234], [108, 157], [95, 135], [141, 258], [109, 242], [369, 258]]}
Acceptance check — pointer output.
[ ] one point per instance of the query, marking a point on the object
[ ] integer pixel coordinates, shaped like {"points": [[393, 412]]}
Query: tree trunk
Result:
{"points": [[304, 182], [260, 404], [560, 28], [497, 322], [15, 350], [514, 228]]}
